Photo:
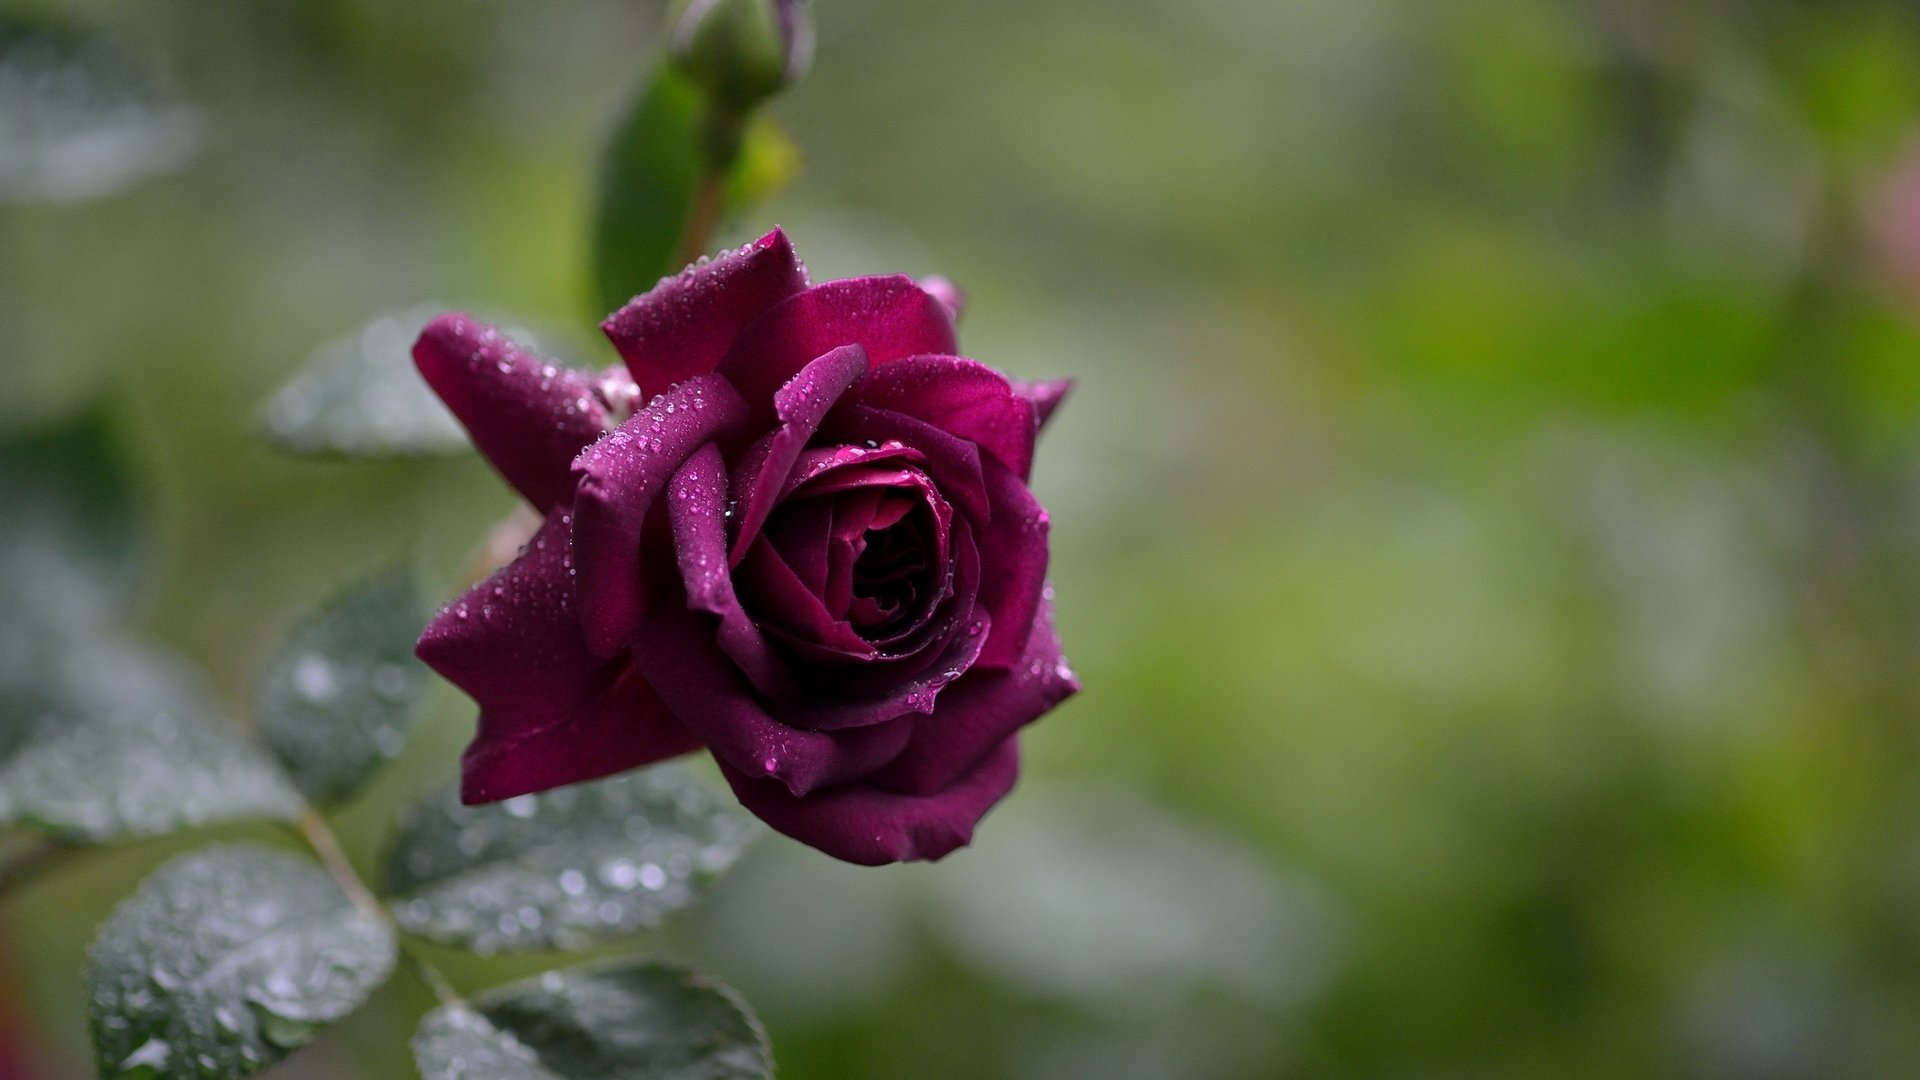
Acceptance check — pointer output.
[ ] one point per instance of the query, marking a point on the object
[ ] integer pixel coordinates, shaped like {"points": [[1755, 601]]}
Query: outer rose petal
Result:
{"points": [[619, 478], [1045, 394], [1013, 549], [951, 296], [681, 327], [696, 511], [864, 824], [890, 317], [674, 652], [799, 406], [528, 416], [979, 712], [551, 712]]}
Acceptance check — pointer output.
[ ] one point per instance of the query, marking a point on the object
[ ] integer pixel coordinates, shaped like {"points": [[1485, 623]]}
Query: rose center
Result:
{"points": [[889, 573]]}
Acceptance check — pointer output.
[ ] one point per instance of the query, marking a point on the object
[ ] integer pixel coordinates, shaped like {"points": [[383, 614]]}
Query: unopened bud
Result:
{"points": [[741, 51]]}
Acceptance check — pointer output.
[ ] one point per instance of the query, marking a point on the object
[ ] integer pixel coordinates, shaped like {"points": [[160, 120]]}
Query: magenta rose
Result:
{"points": [[812, 550]]}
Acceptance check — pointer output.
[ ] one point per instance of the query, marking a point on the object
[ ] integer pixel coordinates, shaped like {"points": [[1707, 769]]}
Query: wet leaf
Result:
{"points": [[564, 869], [625, 1021], [79, 118], [360, 396], [338, 697], [224, 961], [113, 741], [648, 177]]}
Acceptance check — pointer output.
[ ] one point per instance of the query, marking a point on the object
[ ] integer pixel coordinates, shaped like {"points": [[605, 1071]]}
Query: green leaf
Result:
{"points": [[224, 961], [649, 179], [564, 869], [69, 537], [79, 119], [114, 742], [360, 396], [339, 695], [626, 1021]]}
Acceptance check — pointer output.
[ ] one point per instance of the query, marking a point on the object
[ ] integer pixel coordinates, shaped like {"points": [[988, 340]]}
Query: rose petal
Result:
{"points": [[802, 534], [528, 416], [710, 699], [682, 326], [864, 824], [914, 690], [953, 463], [619, 479], [909, 676], [1045, 395], [890, 317], [551, 713], [963, 397], [979, 712], [892, 459], [799, 406], [696, 511], [951, 296], [1013, 549], [793, 612]]}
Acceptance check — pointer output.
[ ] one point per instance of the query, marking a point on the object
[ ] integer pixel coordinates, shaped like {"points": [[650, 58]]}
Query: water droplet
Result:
{"points": [[313, 677], [390, 681], [573, 882], [522, 806], [152, 1054], [620, 874]]}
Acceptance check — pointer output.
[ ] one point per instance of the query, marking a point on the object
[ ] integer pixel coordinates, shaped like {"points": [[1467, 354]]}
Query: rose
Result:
{"points": [[812, 550]]}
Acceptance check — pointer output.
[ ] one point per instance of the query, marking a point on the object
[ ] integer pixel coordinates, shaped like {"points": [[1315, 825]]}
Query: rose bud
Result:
{"points": [[812, 550], [741, 51]]}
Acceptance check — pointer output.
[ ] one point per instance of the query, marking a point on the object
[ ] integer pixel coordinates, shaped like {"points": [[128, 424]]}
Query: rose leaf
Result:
{"points": [[623, 1021], [114, 741], [226, 960], [564, 869], [359, 396], [80, 118], [341, 692]]}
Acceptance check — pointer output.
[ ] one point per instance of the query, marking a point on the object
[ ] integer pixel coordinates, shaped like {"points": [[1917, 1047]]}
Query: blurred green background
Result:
{"points": [[1487, 527]]}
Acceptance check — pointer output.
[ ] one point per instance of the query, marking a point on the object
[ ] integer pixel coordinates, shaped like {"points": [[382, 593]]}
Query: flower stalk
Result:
{"points": [[314, 831]]}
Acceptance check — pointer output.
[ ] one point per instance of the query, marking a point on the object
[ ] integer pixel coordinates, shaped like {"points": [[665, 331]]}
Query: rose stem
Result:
{"points": [[722, 132], [36, 859], [313, 829]]}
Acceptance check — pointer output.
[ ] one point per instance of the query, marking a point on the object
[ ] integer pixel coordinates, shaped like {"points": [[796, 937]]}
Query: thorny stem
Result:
{"points": [[26, 867], [319, 836]]}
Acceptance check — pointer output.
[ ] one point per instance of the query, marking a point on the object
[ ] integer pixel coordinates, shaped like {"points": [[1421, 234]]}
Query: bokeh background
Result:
{"points": [[1488, 525]]}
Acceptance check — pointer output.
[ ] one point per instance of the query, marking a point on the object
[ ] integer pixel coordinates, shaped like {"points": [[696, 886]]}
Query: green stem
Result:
{"points": [[702, 219], [313, 829], [26, 867], [722, 133]]}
